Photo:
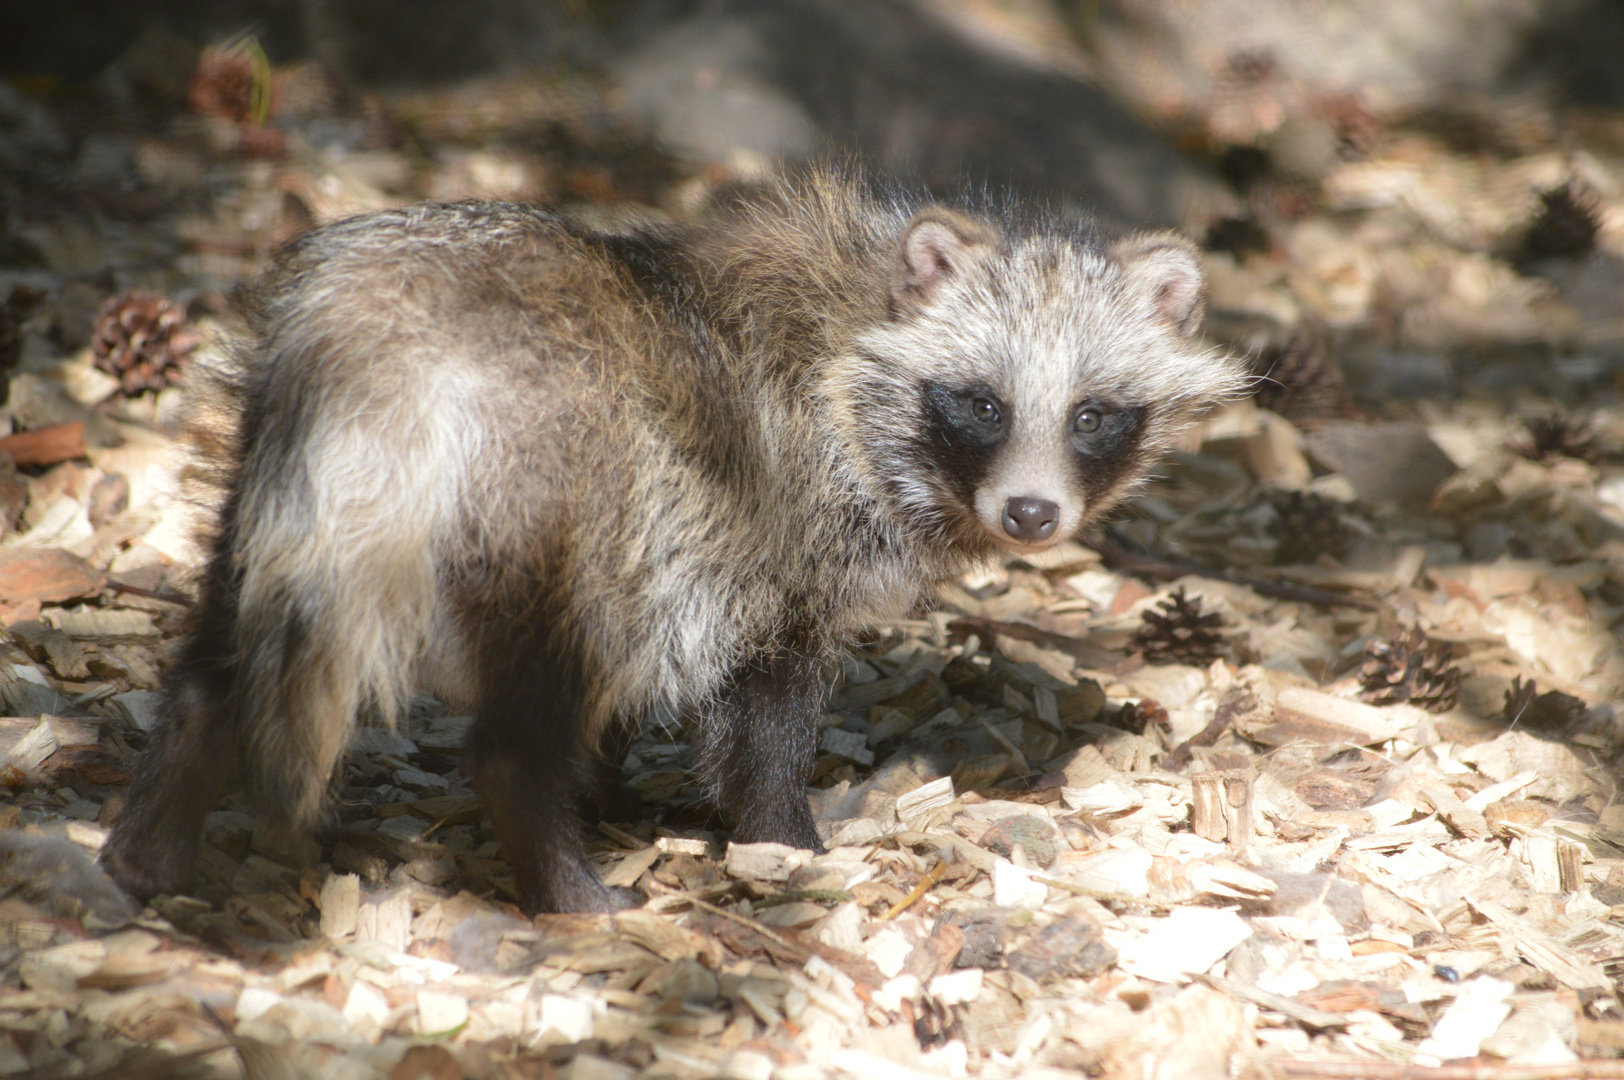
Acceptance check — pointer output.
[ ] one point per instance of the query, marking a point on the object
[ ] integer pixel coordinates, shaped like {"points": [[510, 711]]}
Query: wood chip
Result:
{"points": [[46, 575], [1310, 715], [1569, 967], [47, 445], [925, 798]]}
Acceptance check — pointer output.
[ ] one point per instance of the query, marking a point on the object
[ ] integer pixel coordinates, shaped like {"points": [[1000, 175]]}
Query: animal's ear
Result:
{"points": [[938, 245], [1162, 267]]}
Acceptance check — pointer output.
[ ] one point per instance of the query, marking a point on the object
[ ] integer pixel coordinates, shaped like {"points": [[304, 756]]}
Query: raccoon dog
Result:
{"points": [[566, 478]]}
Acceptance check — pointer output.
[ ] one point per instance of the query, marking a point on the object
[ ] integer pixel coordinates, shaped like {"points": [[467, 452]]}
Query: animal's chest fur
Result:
{"points": [[734, 569]]}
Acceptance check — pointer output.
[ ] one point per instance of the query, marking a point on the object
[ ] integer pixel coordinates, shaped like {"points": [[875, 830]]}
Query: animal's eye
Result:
{"points": [[984, 410], [1088, 420]]}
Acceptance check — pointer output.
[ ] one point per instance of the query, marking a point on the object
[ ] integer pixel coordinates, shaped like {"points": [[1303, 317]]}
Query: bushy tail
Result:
{"points": [[323, 585], [211, 431]]}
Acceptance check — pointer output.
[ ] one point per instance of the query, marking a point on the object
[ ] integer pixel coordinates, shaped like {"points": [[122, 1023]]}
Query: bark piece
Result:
{"points": [[47, 575], [107, 626], [935, 954], [49, 445], [1071, 948]]}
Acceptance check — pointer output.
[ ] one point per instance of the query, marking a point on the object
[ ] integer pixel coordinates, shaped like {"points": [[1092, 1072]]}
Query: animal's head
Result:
{"points": [[1026, 378]]}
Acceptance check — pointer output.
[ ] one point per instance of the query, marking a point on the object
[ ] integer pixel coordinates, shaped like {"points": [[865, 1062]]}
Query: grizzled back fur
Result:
{"points": [[548, 472]]}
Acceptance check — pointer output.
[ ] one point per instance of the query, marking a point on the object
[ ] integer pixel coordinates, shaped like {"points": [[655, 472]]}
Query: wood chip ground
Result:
{"points": [[1046, 857]]}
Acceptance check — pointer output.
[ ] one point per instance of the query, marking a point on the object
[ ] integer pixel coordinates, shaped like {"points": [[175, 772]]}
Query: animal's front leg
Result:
{"points": [[757, 743]]}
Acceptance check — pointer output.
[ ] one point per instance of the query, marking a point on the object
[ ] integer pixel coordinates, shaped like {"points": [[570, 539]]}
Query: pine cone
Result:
{"points": [[1409, 668], [1358, 128], [1143, 717], [1550, 711], [1179, 633], [1557, 435], [233, 81], [142, 339], [1307, 526], [1301, 382], [1566, 227]]}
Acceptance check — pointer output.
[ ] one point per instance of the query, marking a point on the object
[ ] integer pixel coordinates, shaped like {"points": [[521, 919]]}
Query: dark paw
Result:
{"points": [[579, 896], [621, 899], [798, 841], [142, 874], [796, 834]]}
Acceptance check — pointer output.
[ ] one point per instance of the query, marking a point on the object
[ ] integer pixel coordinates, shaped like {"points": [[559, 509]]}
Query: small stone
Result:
{"points": [[983, 943], [1034, 836], [1071, 948]]}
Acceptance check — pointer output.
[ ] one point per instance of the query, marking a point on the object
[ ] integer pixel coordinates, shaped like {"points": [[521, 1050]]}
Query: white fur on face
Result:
{"points": [[1035, 464], [1046, 326]]}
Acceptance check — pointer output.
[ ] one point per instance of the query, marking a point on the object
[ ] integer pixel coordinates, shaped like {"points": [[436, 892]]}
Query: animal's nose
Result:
{"points": [[1030, 520]]}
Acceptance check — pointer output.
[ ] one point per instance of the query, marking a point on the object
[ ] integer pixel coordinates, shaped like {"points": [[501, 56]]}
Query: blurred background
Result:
{"points": [[1427, 189]]}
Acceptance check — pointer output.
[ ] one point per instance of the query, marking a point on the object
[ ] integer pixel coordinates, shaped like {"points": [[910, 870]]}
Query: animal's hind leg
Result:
{"points": [[758, 741], [189, 764], [609, 798], [531, 768]]}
